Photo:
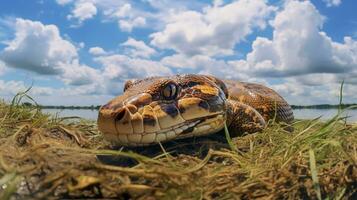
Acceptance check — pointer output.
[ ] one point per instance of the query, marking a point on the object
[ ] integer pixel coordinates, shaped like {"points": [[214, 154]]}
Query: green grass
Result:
{"points": [[43, 156]]}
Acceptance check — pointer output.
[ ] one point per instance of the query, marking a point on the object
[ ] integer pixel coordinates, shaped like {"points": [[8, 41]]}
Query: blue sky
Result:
{"points": [[80, 52]]}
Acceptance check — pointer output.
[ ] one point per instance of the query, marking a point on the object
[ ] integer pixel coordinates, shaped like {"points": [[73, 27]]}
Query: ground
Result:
{"points": [[43, 156]]}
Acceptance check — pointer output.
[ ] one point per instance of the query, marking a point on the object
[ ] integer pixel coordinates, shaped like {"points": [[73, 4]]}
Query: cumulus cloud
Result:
{"points": [[138, 48], [308, 66], [96, 51], [79, 74], [123, 11], [39, 48], [202, 64], [127, 16], [128, 24], [130, 14], [330, 3], [57, 56], [11, 88], [315, 89], [118, 68], [213, 31], [121, 67], [299, 61], [83, 10], [299, 46], [314, 65]]}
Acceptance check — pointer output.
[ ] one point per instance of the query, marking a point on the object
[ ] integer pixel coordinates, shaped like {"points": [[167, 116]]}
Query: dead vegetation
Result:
{"points": [[44, 157]]}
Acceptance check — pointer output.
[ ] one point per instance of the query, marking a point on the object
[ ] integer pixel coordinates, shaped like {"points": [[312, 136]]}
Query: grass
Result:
{"points": [[43, 156]]}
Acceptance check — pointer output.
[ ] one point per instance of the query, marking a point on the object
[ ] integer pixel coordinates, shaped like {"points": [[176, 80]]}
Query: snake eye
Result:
{"points": [[170, 91]]}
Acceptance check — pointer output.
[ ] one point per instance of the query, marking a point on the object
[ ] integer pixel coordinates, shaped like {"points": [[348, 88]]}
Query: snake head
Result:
{"points": [[158, 109]]}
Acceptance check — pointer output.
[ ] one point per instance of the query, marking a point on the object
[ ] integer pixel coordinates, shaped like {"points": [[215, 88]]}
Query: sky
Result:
{"points": [[81, 52]]}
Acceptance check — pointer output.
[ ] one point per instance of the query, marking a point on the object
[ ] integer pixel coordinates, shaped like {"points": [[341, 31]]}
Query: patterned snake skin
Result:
{"points": [[159, 109]]}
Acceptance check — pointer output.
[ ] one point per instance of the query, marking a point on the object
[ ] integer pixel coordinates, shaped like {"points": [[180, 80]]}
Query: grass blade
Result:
{"points": [[229, 139], [314, 175]]}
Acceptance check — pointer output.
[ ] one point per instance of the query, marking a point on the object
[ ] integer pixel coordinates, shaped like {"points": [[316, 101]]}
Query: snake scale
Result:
{"points": [[159, 109]]}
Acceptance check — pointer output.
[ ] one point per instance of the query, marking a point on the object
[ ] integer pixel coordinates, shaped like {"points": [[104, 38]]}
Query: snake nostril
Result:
{"points": [[120, 115]]}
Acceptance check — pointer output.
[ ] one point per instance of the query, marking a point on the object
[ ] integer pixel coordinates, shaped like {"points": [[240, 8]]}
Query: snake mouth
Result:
{"points": [[197, 126], [194, 127], [204, 126]]}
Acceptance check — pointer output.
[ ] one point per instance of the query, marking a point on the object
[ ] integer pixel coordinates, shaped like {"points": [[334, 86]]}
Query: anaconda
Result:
{"points": [[159, 109]]}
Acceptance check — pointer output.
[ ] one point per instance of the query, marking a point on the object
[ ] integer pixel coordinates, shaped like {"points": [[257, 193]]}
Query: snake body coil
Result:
{"points": [[158, 109]]}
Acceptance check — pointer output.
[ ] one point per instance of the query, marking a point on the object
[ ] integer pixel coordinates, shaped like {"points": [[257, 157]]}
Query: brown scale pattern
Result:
{"points": [[263, 99]]}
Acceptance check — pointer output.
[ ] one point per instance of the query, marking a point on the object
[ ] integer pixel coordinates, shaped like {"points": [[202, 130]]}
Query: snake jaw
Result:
{"points": [[129, 125], [205, 126]]}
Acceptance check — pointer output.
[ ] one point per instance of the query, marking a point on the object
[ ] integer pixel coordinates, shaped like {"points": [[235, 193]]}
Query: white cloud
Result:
{"points": [[127, 16], [39, 48], [315, 89], [83, 10], [56, 56], [11, 88], [128, 24], [203, 64], [96, 51], [315, 63], [138, 48], [118, 68], [78, 74], [330, 3], [132, 14], [123, 11], [121, 67], [299, 46], [213, 31], [63, 2]]}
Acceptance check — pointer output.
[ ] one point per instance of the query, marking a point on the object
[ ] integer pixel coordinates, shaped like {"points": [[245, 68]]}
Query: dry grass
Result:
{"points": [[44, 157]]}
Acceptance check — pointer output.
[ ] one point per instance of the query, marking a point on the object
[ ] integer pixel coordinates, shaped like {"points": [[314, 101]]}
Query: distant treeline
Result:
{"points": [[93, 107], [325, 106]]}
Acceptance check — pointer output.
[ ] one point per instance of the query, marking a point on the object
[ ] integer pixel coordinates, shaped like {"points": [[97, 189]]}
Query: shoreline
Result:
{"points": [[92, 107]]}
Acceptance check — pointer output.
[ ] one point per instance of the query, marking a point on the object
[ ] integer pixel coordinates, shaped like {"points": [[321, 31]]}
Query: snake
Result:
{"points": [[153, 110]]}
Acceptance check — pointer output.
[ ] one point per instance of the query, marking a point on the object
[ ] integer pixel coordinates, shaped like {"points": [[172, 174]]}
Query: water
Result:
{"points": [[298, 113], [325, 114], [83, 113]]}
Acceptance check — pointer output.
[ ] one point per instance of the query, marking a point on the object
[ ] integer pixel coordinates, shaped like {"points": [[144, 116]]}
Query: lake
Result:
{"points": [[298, 113]]}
